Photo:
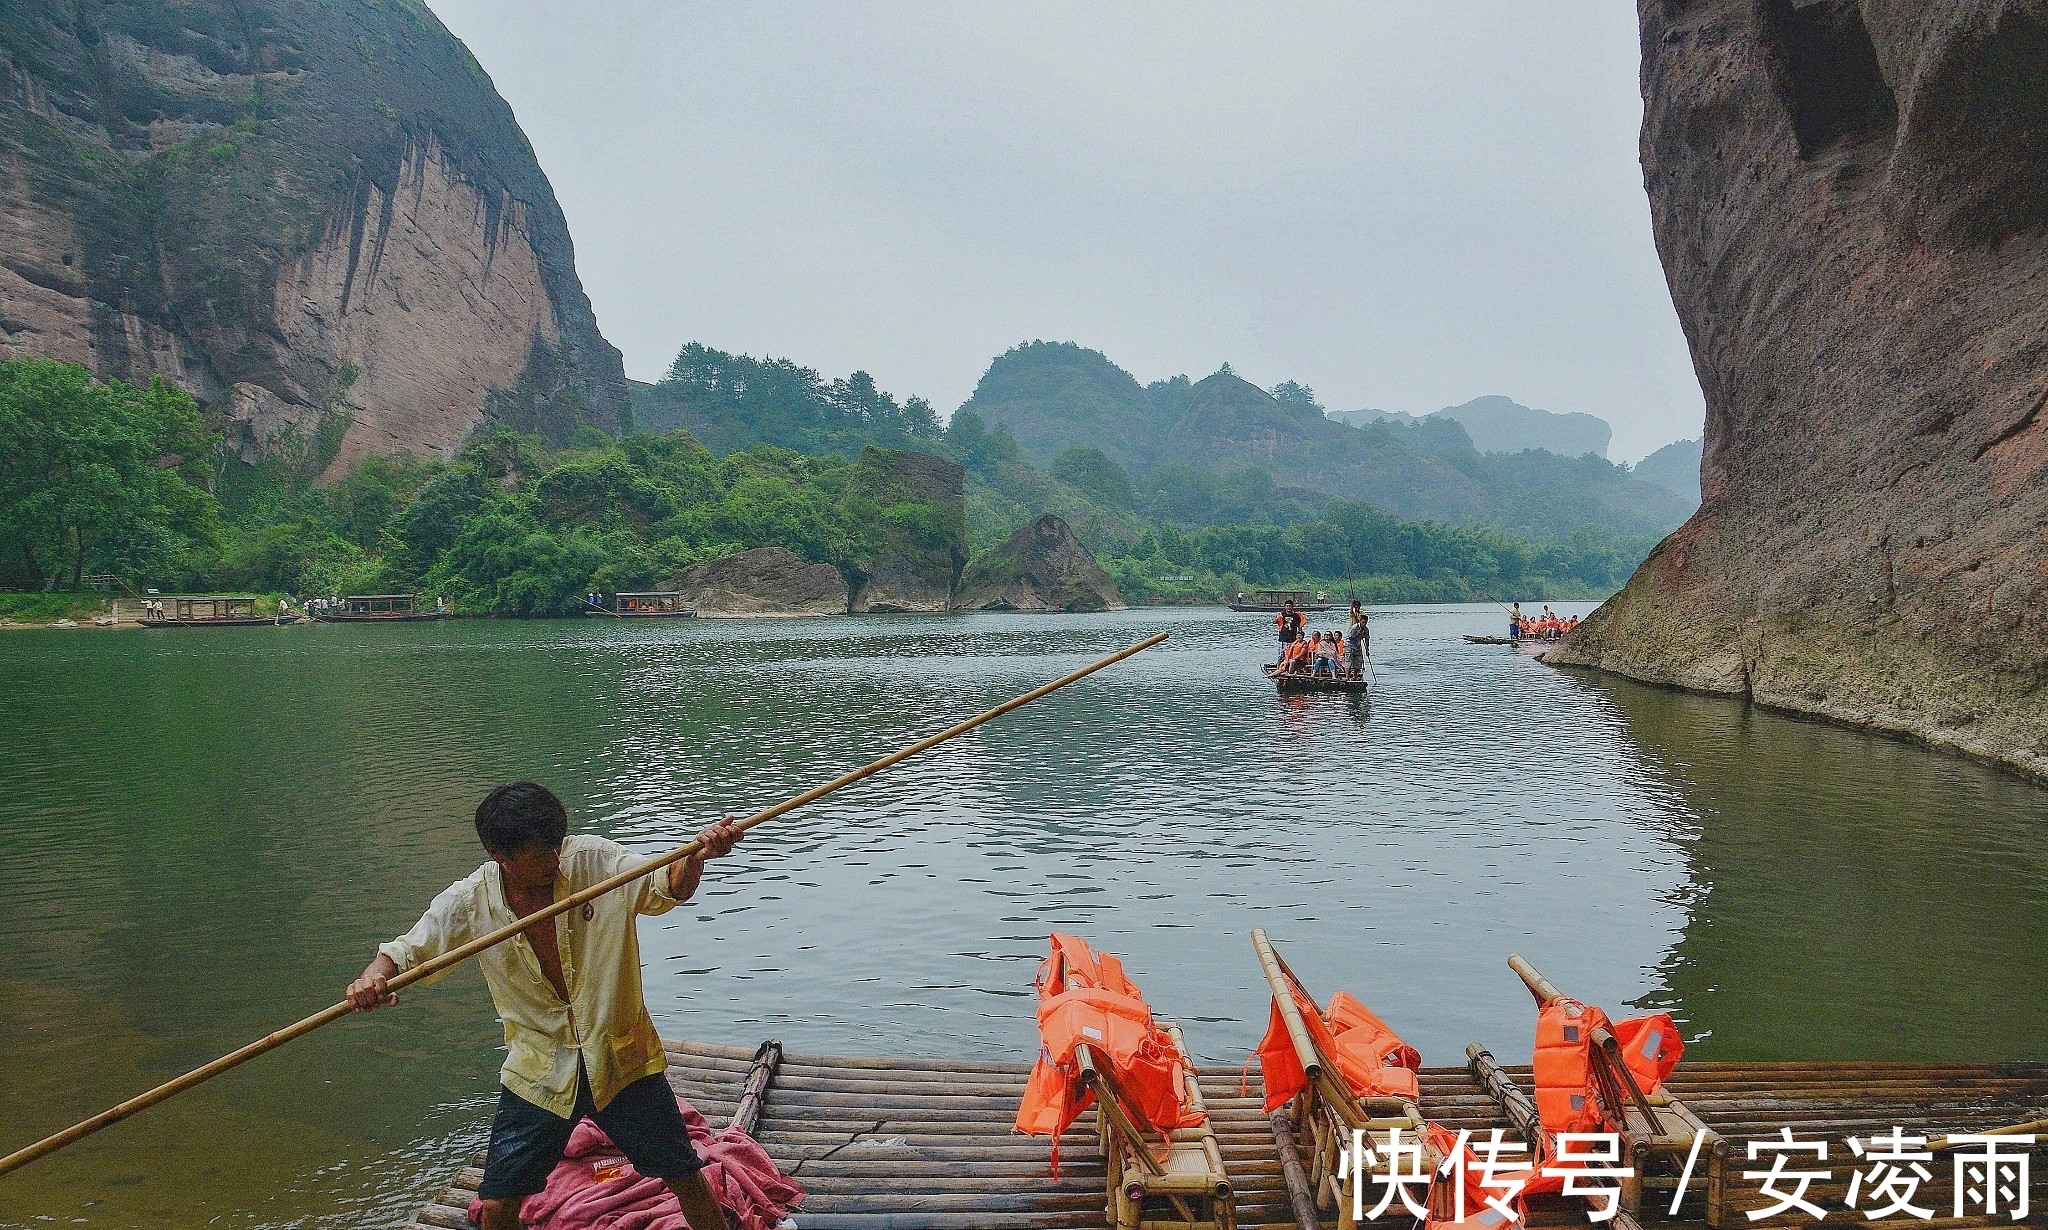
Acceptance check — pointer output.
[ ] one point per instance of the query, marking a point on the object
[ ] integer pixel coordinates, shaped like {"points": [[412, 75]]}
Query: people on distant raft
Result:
{"points": [[1288, 621], [1357, 642], [579, 1043], [1326, 655]]}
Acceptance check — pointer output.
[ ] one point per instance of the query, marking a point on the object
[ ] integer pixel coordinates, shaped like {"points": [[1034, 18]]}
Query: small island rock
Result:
{"points": [[763, 581], [1041, 567]]}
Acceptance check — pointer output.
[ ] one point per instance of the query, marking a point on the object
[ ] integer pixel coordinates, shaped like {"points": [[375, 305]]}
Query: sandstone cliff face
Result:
{"points": [[763, 581], [1850, 202], [1041, 567], [320, 219], [921, 507]]}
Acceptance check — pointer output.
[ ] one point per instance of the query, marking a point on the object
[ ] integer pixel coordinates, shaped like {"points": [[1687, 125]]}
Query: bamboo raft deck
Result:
{"points": [[925, 1144]]}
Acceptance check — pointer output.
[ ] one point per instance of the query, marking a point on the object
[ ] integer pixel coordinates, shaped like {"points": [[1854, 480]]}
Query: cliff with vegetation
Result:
{"points": [[1040, 568], [319, 219], [1851, 203]]}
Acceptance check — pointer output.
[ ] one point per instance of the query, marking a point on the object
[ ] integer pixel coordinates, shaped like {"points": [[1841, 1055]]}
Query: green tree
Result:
{"points": [[97, 476], [1094, 474]]}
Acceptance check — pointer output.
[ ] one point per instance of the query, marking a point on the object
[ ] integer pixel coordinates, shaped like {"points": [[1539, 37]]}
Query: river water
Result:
{"points": [[203, 835]]}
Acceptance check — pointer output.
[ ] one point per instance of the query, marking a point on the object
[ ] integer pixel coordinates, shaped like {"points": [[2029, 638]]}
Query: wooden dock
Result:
{"points": [[923, 1144]]}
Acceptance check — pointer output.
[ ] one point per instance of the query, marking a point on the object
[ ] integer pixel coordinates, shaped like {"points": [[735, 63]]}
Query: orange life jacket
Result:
{"points": [[1567, 1098], [1479, 1215], [1084, 997], [1371, 1057]]}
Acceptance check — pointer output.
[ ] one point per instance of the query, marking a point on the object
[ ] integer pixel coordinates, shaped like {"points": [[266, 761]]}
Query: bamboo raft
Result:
{"points": [[925, 1144]]}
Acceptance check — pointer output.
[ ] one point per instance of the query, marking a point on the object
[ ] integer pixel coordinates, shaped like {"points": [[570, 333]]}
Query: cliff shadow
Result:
{"points": [[1852, 896]]}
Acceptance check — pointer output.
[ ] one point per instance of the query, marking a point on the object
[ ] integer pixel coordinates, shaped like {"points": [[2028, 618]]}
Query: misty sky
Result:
{"points": [[1402, 205]]}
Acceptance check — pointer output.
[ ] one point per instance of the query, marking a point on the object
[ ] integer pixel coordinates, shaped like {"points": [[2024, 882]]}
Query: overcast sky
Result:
{"points": [[1403, 206]]}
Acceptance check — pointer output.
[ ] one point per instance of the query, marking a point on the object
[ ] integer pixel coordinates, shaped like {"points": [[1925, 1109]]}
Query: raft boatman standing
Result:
{"points": [[579, 1043], [1357, 641]]}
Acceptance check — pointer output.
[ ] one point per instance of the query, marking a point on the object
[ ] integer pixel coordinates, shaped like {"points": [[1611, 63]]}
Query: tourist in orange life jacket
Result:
{"points": [[1295, 660], [579, 1041]]}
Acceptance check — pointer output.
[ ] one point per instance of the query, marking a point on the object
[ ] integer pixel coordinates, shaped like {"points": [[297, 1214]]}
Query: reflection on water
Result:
{"points": [[1857, 895], [206, 833]]}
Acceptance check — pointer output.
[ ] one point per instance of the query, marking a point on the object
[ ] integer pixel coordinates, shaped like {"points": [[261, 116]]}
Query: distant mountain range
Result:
{"points": [[1055, 396], [1501, 425]]}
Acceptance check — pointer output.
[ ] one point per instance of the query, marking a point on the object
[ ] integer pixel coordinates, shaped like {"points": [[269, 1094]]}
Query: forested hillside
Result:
{"points": [[511, 526], [1151, 515], [105, 478], [1057, 395]]}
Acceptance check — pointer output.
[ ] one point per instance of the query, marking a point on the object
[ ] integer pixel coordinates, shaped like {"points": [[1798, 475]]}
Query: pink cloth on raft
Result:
{"points": [[594, 1188]]}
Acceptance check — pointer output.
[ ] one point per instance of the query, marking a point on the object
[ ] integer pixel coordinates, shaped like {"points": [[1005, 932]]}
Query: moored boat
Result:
{"points": [[378, 609], [1271, 600], [217, 611], [655, 604]]}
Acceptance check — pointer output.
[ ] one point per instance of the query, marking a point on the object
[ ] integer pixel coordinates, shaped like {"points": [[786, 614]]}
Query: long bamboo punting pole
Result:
{"points": [[455, 956]]}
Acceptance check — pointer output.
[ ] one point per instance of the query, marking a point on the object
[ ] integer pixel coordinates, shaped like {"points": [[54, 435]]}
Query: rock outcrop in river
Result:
{"points": [[919, 511], [763, 581], [1851, 202], [319, 218], [1041, 567]]}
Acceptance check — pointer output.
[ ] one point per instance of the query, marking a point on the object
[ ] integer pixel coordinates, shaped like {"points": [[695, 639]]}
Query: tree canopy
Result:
{"points": [[97, 477]]}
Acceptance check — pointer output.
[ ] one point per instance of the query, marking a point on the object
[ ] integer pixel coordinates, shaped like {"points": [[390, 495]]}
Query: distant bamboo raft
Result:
{"points": [[925, 1144]]}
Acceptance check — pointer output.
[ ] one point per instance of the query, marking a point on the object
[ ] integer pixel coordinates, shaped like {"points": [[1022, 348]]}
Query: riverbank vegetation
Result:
{"points": [[105, 478]]}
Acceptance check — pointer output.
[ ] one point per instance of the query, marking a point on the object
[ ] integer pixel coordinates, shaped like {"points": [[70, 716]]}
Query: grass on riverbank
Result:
{"points": [[48, 608]]}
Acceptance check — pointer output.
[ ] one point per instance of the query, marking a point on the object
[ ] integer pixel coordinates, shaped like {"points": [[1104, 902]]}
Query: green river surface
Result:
{"points": [[204, 834]]}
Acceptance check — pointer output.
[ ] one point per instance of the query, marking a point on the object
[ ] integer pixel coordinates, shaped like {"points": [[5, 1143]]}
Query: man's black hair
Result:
{"points": [[522, 814]]}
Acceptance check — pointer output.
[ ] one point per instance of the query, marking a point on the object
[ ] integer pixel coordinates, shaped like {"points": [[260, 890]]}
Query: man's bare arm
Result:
{"points": [[717, 841], [370, 991]]}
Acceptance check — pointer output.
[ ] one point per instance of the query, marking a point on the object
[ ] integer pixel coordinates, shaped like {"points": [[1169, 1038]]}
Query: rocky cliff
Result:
{"points": [[764, 581], [917, 507], [1041, 567], [1851, 202], [319, 218]]}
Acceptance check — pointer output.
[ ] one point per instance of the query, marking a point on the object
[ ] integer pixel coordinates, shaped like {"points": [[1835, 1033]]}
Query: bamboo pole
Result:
{"points": [[455, 956], [1941, 1143], [747, 1114], [1520, 1107], [1299, 1197], [1538, 985], [1283, 999]]}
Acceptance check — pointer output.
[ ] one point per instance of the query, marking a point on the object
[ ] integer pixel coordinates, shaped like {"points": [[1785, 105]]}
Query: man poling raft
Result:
{"points": [[593, 967], [579, 1043]]}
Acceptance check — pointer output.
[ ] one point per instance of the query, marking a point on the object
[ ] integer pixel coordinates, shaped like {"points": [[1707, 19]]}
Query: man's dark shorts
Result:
{"points": [[643, 1121]]}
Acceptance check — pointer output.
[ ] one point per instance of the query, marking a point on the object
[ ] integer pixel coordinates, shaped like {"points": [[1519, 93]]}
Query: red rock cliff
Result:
{"points": [[1850, 202], [319, 218]]}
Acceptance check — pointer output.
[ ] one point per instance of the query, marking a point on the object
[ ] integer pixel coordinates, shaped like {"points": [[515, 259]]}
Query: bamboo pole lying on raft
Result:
{"points": [[1299, 1197], [1941, 1144], [455, 956], [747, 1112]]}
